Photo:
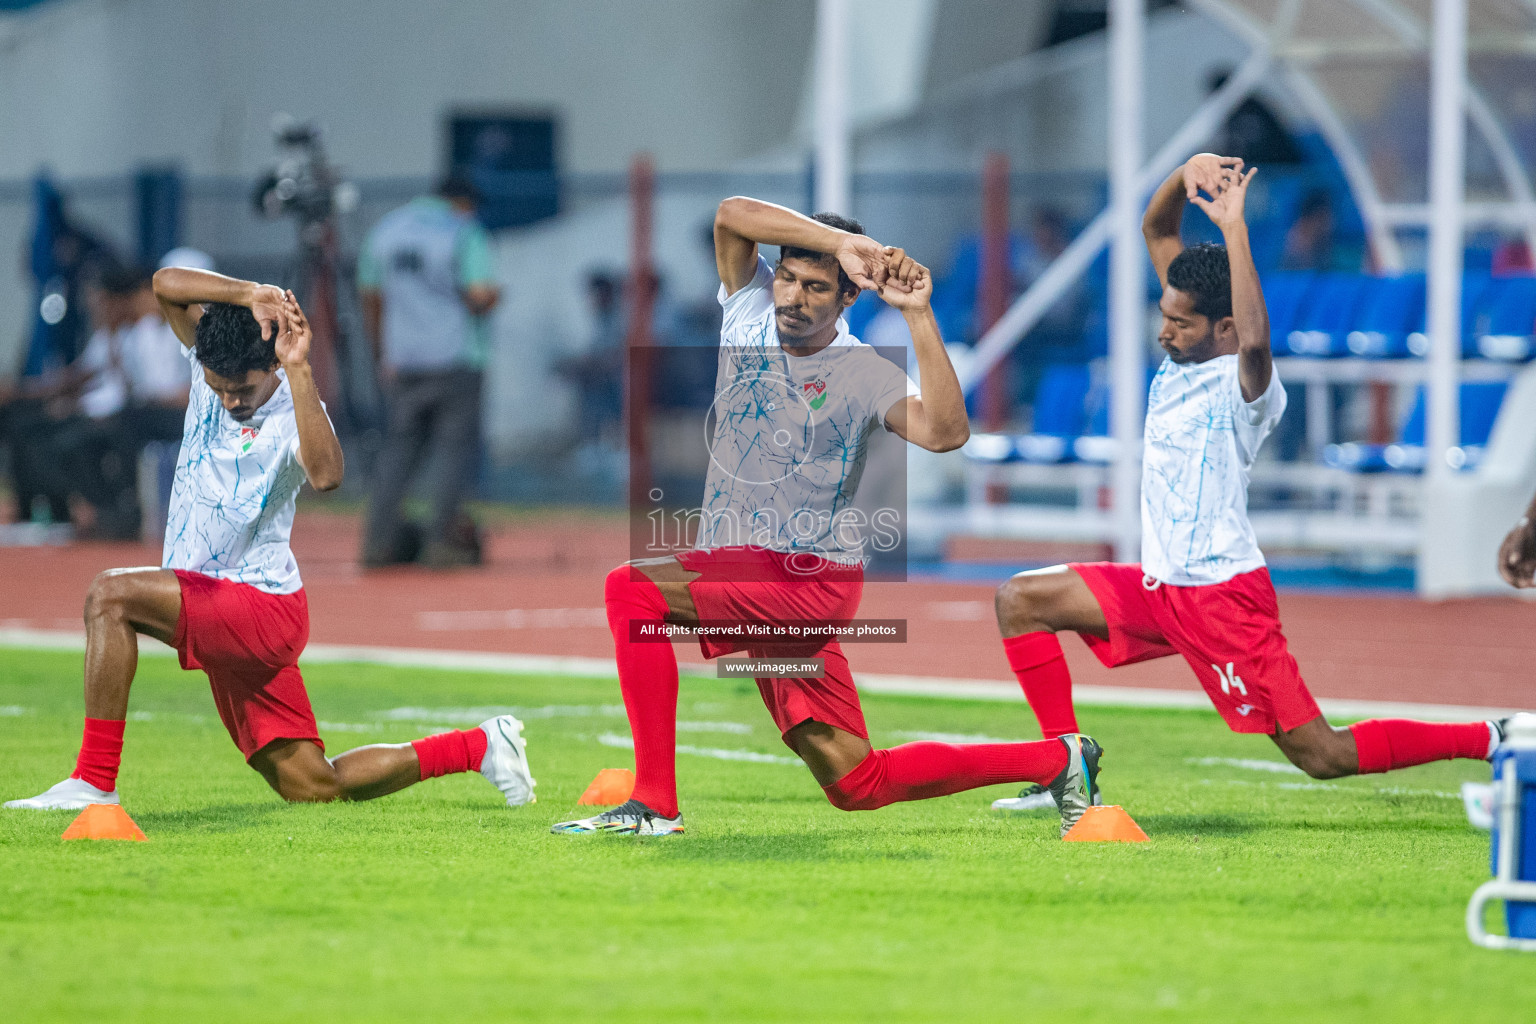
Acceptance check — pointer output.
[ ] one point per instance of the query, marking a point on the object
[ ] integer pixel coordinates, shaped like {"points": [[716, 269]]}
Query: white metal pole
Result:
{"points": [[1127, 272], [1447, 187], [830, 102]]}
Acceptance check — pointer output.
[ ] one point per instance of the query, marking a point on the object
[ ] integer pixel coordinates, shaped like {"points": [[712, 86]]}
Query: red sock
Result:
{"points": [[1037, 660], [1386, 743], [461, 750], [917, 771], [648, 679], [101, 752]]}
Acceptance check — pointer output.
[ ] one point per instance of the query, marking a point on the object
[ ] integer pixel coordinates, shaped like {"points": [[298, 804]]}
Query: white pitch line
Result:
{"points": [[897, 685], [1250, 763], [734, 728], [952, 737], [609, 739]]}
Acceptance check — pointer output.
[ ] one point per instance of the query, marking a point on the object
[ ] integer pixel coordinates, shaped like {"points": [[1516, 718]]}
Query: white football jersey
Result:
{"points": [[1200, 442], [231, 509], [791, 435]]}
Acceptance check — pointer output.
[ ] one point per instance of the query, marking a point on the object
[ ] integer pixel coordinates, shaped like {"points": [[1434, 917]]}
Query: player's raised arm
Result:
{"points": [[1160, 225], [1251, 319], [936, 419], [183, 290], [741, 224], [319, 450]]}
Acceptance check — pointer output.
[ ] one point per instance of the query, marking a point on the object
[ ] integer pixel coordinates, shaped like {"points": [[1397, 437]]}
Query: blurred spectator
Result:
{"points": [[61, 258], [1512, 258], [597, 373], [426, 283], [1061, 326], [1309, 242], [1254, 132], [154, 365], [63, 430]]}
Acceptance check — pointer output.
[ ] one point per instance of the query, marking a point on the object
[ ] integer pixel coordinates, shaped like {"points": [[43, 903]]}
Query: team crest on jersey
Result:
{"points": [[815, 392], [248, 438]]}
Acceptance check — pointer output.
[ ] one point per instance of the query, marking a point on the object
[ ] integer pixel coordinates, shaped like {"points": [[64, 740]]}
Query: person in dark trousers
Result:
{"points": [[426, 284]]}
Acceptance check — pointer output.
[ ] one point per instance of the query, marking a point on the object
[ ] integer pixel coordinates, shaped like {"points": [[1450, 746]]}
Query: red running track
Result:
{"points": [[542, 593]]}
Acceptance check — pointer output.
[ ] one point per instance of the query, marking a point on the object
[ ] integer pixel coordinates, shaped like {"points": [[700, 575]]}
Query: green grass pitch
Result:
{"points": [[1262, 896]]}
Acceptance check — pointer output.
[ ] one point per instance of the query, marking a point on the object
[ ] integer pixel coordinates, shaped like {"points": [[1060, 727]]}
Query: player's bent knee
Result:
{"points": [[308, 789], [1323, 762], [1023, 603], [851, 798], [107, 596]]}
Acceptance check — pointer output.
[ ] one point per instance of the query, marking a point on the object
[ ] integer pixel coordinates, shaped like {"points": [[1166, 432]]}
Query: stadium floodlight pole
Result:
{"points": [[1447, 193], [830, 103], [1054, 281], [1127, 272]]}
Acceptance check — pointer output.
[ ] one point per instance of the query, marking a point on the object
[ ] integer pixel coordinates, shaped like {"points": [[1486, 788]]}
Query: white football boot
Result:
{"points": [[631, 818], [506, 760], [1035, 797], [69, 795]]}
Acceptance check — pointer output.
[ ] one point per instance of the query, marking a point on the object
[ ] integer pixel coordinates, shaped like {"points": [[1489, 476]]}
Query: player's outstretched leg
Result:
{"points": [[1032, 607], [299, 771], [1377, 745], [858, 778], [120, 604], [638, 598]]}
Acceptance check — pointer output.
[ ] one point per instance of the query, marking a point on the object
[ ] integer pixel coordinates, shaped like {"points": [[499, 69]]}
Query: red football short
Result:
{"points": [[1228, 632], [248, 642], [750, 584]]}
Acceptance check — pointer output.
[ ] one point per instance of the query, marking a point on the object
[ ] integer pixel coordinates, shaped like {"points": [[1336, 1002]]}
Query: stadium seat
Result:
{"points": [[1507, 321], [1479, 404], [1096, 446], [1060, 403], [1392, 309], [1474, 286], [1322, 323], [1284, 294]]}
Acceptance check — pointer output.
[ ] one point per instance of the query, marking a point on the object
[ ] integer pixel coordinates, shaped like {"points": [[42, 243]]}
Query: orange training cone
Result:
{"points": [[1108, 824], [612, 786], [104, 821]]}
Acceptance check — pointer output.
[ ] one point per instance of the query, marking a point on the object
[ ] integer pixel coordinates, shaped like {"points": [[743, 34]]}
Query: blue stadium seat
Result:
{"points": [[1474, 286], [1284, 295], [1507, 320], [1479, 403], [1059, 418], [1392, 309], [1322, 323], [1096, 446]]}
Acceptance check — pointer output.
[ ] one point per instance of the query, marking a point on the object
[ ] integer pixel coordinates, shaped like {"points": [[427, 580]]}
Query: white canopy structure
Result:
{"points": [[1370, 74]]}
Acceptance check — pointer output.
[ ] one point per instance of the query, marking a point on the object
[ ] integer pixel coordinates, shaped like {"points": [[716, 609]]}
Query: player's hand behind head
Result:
{"points": [[1206, 172], [267, 307], [863, 260], [293, 334], [1517, 556], [1225, 205], [909, 285]]}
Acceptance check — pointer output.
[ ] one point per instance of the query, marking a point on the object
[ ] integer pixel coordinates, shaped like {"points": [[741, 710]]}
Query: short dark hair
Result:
{"points": [[1204, 273], [229, 341], [458, 187], [831, 220]]}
